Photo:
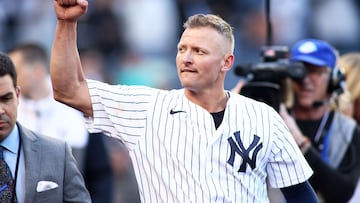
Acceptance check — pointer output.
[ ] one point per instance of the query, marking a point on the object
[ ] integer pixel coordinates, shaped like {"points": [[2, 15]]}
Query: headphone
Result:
{"points": [[336, 83]]}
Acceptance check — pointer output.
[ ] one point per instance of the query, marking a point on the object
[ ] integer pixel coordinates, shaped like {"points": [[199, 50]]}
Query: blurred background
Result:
{"points": [[134, 41]]}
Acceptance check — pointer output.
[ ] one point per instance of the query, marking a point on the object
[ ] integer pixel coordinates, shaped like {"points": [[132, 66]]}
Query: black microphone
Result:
{"points": [[317, 104]]}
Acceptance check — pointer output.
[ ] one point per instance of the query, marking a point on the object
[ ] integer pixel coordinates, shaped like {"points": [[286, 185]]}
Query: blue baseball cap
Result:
{"points": [[315, 52]]}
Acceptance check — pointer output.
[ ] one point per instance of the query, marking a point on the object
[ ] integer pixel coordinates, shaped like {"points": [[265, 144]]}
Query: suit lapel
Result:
{"points": [[31, 147]]}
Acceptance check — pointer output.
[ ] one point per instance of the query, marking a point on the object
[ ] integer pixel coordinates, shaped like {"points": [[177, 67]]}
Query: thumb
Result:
{"points": [[82, 3]]}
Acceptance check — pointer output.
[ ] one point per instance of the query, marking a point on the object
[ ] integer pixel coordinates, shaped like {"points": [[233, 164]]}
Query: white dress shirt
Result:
{"points": [[52, 118]]}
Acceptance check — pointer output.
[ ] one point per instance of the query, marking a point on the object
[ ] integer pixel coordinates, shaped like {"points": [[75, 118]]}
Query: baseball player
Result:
{"points": [[196, 144]]}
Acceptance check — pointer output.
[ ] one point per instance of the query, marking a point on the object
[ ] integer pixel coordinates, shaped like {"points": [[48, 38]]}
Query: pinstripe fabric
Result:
{"points": [[181, 157]]}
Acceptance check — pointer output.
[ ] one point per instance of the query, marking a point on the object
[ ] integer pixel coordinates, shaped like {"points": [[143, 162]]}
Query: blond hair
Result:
{"points": [[214, 21], [349, 64]]}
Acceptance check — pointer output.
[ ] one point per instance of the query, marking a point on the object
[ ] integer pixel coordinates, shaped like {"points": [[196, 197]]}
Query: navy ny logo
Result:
{"points": [[238, 147]]}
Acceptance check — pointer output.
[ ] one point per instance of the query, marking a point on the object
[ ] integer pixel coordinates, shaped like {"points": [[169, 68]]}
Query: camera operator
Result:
{"points": [[329, 141], [266, 81]]}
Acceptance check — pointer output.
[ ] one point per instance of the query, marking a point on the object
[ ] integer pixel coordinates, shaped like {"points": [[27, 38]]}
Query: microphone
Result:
{"points": [[317, 104]]}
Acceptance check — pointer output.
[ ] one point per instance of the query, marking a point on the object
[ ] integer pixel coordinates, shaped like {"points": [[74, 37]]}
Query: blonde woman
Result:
{"points": [[349, 64]]}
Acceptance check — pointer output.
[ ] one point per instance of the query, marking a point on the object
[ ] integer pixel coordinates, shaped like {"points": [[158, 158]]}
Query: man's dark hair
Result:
{"points": [[7, 68], [32, 53]]}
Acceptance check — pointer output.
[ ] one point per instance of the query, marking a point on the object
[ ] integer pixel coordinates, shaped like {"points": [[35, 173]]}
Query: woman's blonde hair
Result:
{"points": [[349, 64]]}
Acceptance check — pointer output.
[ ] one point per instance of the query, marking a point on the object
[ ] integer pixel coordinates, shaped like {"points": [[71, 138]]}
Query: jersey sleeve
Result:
{"points": [[287, 165], [119, 111]]}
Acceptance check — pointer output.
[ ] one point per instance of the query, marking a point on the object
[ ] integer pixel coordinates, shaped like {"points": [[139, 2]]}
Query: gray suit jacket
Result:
{"points": [[49, 159]]}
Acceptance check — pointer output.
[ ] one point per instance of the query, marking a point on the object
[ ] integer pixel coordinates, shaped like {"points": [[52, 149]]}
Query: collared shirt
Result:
{"points": [[11, 143]]}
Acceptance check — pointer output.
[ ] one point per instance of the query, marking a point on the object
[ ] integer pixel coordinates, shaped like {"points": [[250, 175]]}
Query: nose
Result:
{"points": [[187, 57]]}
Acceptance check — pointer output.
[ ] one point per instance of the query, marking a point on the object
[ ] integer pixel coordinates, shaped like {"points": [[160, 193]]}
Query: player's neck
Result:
{"points": [[209, 101]]}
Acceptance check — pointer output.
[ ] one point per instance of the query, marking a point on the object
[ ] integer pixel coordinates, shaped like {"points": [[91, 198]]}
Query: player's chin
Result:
{"points": [[185, 84], [187, 81]]}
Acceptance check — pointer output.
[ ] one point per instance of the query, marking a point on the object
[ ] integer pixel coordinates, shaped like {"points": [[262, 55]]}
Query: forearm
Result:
{"points": [[68, 80], [301, 140], [65, 65], [333, 184]]}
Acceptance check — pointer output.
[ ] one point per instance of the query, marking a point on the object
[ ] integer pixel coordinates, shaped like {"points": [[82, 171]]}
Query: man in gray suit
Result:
{"points": [[43, 168]]}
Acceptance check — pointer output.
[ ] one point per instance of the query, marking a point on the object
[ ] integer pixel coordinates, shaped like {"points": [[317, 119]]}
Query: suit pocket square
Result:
{"points": [[46, 185]]}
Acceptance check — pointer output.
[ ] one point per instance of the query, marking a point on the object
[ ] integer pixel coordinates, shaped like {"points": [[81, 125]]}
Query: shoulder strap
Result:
{"points": [[325, 130]]}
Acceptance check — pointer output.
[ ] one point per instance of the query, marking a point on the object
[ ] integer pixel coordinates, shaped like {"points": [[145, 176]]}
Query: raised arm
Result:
{"points": [[67, 76]]}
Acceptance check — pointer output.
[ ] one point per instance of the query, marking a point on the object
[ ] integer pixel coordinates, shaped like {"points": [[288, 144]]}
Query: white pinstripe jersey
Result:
{"points": [[181, 157]]}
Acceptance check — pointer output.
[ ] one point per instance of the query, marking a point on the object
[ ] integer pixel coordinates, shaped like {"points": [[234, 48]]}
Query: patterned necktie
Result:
{"points": [[6, 181]]}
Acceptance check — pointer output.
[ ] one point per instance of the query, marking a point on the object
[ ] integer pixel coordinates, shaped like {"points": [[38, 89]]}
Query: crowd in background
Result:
{"points": [[134, 41]]}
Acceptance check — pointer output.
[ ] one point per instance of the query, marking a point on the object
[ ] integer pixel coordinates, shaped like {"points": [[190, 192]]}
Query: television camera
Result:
{"points": [[266, 79]]}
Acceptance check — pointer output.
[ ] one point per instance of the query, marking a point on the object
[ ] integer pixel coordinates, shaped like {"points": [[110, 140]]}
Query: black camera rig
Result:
{"points": [[274, 67]]}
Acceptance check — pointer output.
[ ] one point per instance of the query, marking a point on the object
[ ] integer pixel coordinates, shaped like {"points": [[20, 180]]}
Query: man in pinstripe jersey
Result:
{"points": [[197, 144]]}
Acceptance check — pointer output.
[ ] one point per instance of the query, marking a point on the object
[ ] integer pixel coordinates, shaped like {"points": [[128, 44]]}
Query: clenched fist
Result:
{"points": [[70, 10]]}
